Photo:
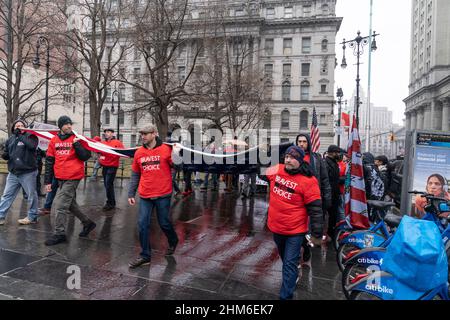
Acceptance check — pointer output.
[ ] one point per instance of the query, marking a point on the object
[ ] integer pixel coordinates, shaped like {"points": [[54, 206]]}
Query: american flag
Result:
{"points": [[315, 134], [355, 191]]}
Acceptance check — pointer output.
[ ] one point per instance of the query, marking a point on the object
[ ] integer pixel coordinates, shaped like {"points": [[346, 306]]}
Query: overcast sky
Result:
{"points": [[390, 63]]}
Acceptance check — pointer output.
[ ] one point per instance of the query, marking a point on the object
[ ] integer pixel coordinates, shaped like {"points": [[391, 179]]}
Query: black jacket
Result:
{"points": [[320, 172], [334, 179], [81, 153], [20, 152]]}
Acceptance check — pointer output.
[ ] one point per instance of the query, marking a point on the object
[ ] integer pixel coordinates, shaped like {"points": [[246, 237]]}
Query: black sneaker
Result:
{"points": [[139, 262], [55, 239], [108, 207], [170, 251], [87, 228]]}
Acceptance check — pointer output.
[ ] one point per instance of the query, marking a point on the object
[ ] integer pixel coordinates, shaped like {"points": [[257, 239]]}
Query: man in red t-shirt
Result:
{"points": [[110, 163], [151, 172], [294, 200], [65, 161]]}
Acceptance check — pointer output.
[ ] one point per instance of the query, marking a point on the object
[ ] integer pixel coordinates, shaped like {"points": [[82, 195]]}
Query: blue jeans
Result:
{"points": [[215, 180], [51, 195], [109, 174], [162, 212], [14, 183], [289, 251]]}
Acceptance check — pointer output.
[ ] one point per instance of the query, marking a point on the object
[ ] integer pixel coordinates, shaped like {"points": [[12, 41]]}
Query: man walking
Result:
{"points": [[110, 164], [65, 161], [294, 205], [320, 172], [20, 152], [152, 177]]}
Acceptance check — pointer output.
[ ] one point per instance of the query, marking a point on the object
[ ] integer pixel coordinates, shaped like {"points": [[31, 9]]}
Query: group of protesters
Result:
{"points": [[306, 191]]}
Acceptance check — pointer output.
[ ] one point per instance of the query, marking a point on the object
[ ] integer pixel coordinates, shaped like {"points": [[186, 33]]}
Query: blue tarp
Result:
{"points": [[416, 256]]}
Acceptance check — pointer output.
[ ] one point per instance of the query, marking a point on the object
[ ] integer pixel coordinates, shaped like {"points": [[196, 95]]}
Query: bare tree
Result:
{"points": [[22, 21], [95, 47], [160, 33]]}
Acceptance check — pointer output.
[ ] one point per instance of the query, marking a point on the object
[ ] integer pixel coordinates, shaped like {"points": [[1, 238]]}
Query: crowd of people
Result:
{"points": [[306, 190]]}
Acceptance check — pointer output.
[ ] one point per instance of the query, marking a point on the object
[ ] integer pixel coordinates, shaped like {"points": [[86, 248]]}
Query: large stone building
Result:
{"points": [[428, 103], [294, 46]]}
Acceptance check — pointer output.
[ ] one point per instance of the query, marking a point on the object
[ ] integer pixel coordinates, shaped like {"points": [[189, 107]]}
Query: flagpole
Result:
{"points": [[369, 80]]}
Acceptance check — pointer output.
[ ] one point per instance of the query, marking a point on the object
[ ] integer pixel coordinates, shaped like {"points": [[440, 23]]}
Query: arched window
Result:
{"points": [[268, 88], [121, 117], [304, 90], [122, 91], [285, 119], [106, 116], [324, 45], [286, 91], [304, 115]]}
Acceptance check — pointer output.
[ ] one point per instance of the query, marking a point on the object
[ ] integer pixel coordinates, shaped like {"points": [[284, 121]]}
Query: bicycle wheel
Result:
{"points": [[351, 271], [361, 295], [337, 234], [343, 251]]}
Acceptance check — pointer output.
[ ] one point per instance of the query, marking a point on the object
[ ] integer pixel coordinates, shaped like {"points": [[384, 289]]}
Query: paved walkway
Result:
{"points": [[225, 252]]}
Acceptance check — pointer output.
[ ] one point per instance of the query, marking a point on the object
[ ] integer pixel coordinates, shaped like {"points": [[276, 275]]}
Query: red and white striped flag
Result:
{"points": [[315, 134], [355, 190]]}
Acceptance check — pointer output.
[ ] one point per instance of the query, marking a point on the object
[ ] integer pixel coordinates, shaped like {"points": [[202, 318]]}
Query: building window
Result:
{"points": [[181, 50], [306, 45], [287, 46], [286, 91], [323, 89], [267, 122], [133, 141], [136, 54], [268, 88], [285, 119], [304, 91], [239, 12], [268, 70], [121, 117], [122, 91], [286, 70], [325, 9], [237, 48], [306, 69], [135, 117], [304, 115], [270, 13], [269, 46], [324, 45], [288, 12], [181, 73], [106, 116], [108, 93], [307, 11]]}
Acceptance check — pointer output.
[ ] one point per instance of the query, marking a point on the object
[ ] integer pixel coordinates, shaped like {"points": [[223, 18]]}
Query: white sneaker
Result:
{"points": [[2, 222], [26, 221]]}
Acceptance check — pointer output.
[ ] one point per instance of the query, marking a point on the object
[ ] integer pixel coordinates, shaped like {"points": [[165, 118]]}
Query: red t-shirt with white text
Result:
{"points": [[154, 166], [67, 165], [289, 194], [109, 160]]}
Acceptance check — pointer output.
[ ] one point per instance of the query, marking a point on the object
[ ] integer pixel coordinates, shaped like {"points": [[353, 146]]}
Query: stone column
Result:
{"points": [[434, 118], [413, 120], [427, 117], [408, 121], [445, 114], [419, 118]]}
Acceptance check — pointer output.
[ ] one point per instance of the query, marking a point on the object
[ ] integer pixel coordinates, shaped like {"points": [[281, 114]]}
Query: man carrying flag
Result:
{"points": [[355, 191]]}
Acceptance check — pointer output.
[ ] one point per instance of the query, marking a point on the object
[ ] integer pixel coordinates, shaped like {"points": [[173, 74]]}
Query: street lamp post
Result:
{"points": [[339, 94], [36, 63], [357, 45], [118, 109]]}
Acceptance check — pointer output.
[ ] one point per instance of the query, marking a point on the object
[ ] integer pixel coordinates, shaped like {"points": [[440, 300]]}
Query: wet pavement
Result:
{"points": [[225, 252]]}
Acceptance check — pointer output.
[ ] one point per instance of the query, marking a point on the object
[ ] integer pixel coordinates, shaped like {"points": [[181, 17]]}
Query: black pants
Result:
{"points": [[109, 174], [187, 180], [333, 213]]}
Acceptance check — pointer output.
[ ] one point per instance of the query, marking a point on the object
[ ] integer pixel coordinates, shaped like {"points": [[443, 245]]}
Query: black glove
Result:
{"points": [[17, 131]]}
